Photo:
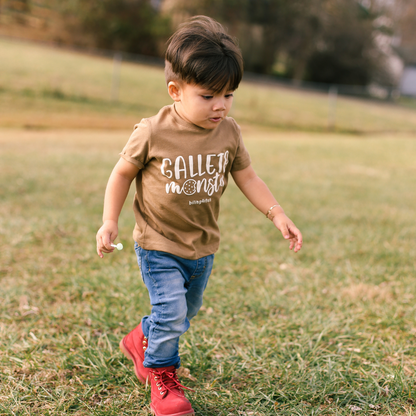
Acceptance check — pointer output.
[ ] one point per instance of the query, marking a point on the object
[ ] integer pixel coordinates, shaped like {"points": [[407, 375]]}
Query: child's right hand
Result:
{"points": [[105, 236]]}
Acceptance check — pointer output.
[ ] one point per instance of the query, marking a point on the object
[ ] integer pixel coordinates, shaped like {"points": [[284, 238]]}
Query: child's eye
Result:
{"points": [[229, 96], [207, 97]]}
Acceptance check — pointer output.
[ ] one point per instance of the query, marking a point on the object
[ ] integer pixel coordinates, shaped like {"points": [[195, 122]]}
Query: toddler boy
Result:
{"points": [[181, 159]]}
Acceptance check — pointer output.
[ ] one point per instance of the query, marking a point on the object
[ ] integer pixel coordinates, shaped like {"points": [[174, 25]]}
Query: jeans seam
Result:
{"points": [[153, 281], [193, 276], [140, 258]]}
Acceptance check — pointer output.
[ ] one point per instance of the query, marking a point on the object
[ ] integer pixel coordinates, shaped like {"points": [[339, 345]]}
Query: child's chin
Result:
{"points": [[212, 123]]}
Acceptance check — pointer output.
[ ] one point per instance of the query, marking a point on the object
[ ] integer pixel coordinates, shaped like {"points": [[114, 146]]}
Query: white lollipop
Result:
{"points": [[118, 246]]}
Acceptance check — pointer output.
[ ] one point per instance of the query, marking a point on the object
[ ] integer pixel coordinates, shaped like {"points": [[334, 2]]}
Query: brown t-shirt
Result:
{"points": [[183, 173]]}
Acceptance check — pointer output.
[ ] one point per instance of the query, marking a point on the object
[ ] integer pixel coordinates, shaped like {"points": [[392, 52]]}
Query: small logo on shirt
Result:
{"points": [[201, 201]]}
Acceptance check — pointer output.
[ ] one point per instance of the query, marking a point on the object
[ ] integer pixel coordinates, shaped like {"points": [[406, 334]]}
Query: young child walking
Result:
{"points": [[181, 159]]}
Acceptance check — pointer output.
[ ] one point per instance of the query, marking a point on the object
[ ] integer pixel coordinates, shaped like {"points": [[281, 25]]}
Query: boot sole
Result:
{"points": [[125, 351], [192, 413]]}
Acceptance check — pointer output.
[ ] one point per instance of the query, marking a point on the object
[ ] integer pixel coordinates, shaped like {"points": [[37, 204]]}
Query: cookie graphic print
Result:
{"points": [[189, 187], [202, 175]]}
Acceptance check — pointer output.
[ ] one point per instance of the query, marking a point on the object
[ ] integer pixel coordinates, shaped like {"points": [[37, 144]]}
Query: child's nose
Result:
{"points": [[219, 105]]}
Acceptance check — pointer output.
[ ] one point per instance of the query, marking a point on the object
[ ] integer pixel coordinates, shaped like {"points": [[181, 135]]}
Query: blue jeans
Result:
{"points": [[175, 286]]}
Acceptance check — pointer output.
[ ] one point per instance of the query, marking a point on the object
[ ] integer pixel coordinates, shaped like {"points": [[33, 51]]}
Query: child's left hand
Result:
{"points": [[289, 231]]}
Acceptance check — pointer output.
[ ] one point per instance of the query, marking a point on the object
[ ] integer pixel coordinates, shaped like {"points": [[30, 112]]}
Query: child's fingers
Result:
{"points": [[291, 232], [285, 232], [107, 240], [100, 248], [108, 236], [104, 245], [297, 239]]}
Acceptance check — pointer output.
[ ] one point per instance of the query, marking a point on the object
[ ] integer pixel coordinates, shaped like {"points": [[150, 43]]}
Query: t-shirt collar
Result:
{"points": [[183, 122]]}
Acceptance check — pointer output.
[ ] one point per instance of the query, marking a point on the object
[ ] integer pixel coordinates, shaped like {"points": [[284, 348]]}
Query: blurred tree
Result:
{"points": [[134, 26], [389, 66], [259, 25], [306, 32], [346, 53], [16, 5], [321, 40], [331, 41], [405, 20]]}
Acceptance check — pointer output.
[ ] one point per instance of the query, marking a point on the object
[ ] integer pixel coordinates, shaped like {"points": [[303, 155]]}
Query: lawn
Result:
{"points": [[327, 331], [56, 88], [323, 332]]}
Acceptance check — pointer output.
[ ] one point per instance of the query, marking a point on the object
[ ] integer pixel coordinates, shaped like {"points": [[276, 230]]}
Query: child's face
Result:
{"points": [[199, 105]]}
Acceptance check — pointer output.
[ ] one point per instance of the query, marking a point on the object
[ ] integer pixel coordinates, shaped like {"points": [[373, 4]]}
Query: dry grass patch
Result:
{"points": [[365, 292]]}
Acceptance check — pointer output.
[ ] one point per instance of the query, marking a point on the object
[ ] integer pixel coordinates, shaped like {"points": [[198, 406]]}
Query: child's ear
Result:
{"points": [[174, 90]]}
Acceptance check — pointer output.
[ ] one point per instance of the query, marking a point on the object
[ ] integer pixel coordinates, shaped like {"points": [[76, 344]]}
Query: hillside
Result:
{"points": [[43, 87]]}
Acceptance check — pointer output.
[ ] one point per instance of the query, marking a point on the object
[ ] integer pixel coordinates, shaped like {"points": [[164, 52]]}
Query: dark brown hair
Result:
{"points": [[201, 52]]}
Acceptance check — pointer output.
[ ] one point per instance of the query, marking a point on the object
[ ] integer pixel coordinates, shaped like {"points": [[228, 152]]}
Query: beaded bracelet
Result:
{"points": [[270, 210]]}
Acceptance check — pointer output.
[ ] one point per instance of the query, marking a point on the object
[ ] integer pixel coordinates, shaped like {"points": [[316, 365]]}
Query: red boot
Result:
{"points": [[168, 398], [133, 346]]}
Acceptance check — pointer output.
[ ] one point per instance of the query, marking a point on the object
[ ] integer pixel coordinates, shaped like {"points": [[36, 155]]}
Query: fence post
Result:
{"points": [[115, 83], [332, 106]]}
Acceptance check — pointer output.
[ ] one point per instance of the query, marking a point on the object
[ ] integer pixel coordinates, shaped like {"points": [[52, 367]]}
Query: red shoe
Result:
{"points": [[168, 398], [133, 346]]}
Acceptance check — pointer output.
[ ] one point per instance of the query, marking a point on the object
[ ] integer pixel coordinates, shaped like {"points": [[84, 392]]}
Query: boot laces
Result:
{"points": [[168, 381]]}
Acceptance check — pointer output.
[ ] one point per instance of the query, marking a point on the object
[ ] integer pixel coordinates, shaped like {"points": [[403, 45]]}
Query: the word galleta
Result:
{"points": [[181, 170]]}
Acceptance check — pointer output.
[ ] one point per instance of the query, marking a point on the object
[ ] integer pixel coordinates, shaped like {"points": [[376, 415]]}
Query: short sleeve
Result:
{"points": [[136, 150], [242, 158]]}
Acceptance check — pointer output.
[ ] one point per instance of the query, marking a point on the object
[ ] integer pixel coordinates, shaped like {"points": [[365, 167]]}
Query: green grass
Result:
{"points": [[315, 333], [44, 87]]}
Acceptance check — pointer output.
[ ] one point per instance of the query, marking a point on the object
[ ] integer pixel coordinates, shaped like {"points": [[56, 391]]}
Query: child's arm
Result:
{"points": [[115, 194], [257, 192]]}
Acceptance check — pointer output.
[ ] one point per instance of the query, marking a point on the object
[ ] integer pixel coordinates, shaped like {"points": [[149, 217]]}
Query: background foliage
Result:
{"points": [[120, 24], [329, 41]]}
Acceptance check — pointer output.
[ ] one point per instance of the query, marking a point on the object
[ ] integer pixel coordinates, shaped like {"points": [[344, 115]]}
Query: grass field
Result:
{"points": [[56, 88], [328, 331], [307, 334]]}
